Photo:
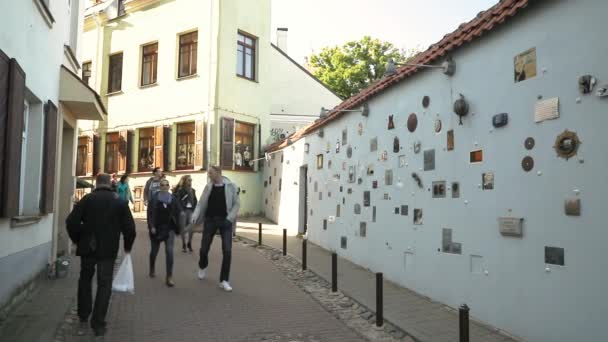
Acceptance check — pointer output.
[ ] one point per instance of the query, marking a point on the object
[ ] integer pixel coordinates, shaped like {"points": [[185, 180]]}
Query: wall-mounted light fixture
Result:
{"points": [[448, 66]]}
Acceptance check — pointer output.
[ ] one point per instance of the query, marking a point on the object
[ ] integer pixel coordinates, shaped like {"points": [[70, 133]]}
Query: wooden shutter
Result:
{"points": [[158, 146], [130, 146], [166, 145], [122, 151], [89, 171], [4, 71], [96, 147], [14, 134], [50, 157], [227, 143], [199, 144]]}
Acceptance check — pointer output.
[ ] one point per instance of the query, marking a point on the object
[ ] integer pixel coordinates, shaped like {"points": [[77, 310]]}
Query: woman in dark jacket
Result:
{"points": [[187, 198], [166, 220]]}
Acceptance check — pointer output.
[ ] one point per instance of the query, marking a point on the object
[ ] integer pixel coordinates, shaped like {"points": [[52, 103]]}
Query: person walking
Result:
{"points": [[94, 226], [165, 220], [187, 198], [153, 184], [123, 189], [217, 208]]}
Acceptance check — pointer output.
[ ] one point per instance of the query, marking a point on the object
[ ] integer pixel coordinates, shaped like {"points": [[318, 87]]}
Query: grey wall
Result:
{"points": [[19, 272], [503, 279]]}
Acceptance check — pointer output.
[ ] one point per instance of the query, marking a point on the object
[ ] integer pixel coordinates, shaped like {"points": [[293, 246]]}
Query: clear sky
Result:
{"points": [[314, 24]]}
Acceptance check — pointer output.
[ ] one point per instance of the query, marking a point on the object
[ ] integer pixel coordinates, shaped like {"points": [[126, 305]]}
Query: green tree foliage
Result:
{"points": [[352, 67]]}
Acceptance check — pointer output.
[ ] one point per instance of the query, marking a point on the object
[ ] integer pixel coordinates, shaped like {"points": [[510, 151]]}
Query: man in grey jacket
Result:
{"points": [[217, 209]]}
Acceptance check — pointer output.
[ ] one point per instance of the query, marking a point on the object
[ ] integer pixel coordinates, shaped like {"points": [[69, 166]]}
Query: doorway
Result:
{"points": [[303, 208]]}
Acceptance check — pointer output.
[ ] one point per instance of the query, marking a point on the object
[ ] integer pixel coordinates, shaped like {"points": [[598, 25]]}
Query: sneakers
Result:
{"points": [[225, 286], [202, 273], [83, 328], [190, 247], [170, 282]]}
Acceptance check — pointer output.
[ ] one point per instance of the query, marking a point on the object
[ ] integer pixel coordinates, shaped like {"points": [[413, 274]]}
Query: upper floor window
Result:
{"points": [[185, 146], [245, 56], [188, 44], [86, 72], [149, 64], [115, 73]]}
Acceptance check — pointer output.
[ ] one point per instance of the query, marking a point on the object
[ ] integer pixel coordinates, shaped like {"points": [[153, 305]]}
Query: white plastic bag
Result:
{"points": [[123, 281]]}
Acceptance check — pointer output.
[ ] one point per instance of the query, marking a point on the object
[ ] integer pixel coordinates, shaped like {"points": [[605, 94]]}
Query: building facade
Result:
{"points": [[500, 207], [195, 91], [41, 101]]}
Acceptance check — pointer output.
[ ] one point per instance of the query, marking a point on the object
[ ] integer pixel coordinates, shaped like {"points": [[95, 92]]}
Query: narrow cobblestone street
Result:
{"points": [[264, 305]]}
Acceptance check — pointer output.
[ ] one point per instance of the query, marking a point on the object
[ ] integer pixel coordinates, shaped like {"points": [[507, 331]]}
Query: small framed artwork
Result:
{"points": [[450, 146], [404, 210], [488, 180], [418, 216], [525, 65], [373, 145], [319, 161], [352, 176]]}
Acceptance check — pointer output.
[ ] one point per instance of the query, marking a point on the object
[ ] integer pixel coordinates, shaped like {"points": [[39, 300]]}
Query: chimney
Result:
{"points": [[282, 38]]}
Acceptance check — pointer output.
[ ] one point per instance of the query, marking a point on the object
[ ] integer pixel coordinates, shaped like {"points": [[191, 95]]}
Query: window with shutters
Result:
{"points": [[112, 153], [188, 45], [31, 156], [246, 56], [115, 73], [149, 64], [82, 156], [145, 151], [185, 146], [86, 72], [243, 146]]}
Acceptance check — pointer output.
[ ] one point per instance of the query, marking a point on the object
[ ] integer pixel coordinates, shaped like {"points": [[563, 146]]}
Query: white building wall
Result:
{"points": [[519, 293]]}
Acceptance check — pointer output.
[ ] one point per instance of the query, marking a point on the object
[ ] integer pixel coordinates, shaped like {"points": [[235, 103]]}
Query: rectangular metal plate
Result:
{"points": [[404, 210], [388, 177], [546, 110], [511, 226], [366, 198], [572, 207], [373, 145], [363, 229], [439, 189], [450, 144], [374, 214], [429, 160], [554, 256]]}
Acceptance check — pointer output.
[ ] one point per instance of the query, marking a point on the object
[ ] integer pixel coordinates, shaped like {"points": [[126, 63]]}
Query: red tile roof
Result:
{"points": [[465, 33]]}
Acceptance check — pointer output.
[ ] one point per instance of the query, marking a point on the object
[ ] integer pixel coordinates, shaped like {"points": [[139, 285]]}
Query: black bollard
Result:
{"points": [[379, 300], [284, 242], [463, 318], [260, 234], [334, 272], [304, 244]]}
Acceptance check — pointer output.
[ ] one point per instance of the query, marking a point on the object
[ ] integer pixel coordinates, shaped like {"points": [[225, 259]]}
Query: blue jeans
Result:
{"points": [[168, 253], [209, 230]]}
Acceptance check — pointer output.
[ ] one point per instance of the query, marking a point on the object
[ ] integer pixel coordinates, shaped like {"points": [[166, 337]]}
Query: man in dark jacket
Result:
{"points": [[95, 225]]}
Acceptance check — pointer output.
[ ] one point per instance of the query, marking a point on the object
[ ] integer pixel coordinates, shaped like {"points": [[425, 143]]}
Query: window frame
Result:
{"points": [[177, 144], [116, 145], [150, 66], [193, 57], [234, 144], [84, 77], [111, 73], [254, 59], [150, 148], [85, 158]]}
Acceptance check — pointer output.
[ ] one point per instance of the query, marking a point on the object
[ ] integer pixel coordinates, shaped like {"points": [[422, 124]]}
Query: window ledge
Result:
{"points": [[239, 170], [119, 92], [183, 78], [247, 79], [24, 221], [45, 12], [151, 85]]}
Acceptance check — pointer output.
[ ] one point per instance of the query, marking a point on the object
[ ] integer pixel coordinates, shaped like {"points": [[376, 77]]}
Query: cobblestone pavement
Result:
{"points": [[420, 317], [264, 306]]}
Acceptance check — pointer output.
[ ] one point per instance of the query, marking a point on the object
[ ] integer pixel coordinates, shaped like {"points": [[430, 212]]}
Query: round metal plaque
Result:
{"points": [[412, 122], [437, 126], [529, 143], [426, 101], [566, 144], [527, 163]]}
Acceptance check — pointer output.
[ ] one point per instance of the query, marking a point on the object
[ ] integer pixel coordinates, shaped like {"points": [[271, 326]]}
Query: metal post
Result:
{"points": [[260, 234], [284, 242], [304, 244], [334, 272], [379, 300], [463, 318]]}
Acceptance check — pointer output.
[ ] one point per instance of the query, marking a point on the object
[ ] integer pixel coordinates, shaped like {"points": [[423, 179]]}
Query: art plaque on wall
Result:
{"points": [[418, 216], [373, 145], [429, 160], [401, 161], [525, 65]]}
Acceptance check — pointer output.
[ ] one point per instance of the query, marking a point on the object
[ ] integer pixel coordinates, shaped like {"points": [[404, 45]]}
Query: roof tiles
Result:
{"points": [[465, 33]]}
